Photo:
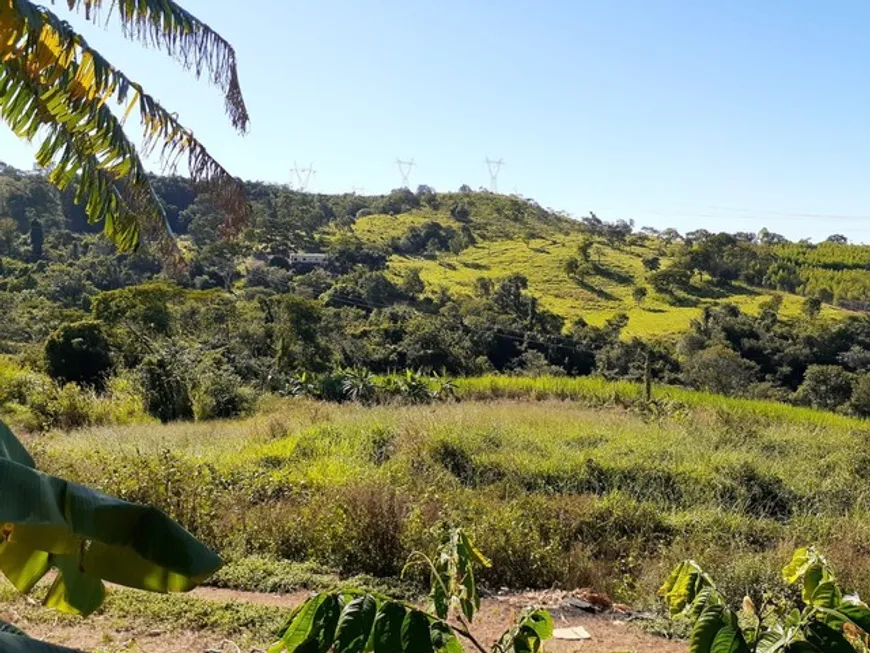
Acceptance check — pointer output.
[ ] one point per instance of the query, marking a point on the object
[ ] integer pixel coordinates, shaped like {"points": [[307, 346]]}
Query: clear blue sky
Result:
{"points": [[723, 114]]}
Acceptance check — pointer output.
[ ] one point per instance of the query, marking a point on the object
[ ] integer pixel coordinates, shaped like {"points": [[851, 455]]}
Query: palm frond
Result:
{"points": [[75, 76], [84, 145], [165, 25]]}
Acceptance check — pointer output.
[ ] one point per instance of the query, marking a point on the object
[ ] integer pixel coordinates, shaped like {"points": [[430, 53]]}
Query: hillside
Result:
{"points": [[463, 283], [509, 234], [539, 252]]}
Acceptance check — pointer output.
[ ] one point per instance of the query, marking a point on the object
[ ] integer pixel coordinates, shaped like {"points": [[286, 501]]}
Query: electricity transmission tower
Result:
{"points": [[302, 176], [494, 168], [405, 168]]}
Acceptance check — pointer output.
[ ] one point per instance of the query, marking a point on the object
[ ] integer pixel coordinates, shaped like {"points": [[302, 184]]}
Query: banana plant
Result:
{"points": [[359, 385], [353, 622], [88, 538], [445, 387], [823, 620], [414, 387]]}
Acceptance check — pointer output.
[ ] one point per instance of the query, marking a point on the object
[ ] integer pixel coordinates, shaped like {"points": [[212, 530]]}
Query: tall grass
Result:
{"points": [[597, 391], [582, 492]]}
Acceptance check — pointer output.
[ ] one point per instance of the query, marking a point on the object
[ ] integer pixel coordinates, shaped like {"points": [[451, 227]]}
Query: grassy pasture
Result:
{"points": [[586, 491], [541, 260]]}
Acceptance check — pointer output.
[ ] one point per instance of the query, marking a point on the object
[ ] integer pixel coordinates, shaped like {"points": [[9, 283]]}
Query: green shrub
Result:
{"points": [[17, 381], [382, 446], [721, 370], [220, 394], [813, 615], [456, 460], [825, 386], [859, 404], [79, 353], [757, 494], [70, 407], [166, 388]]}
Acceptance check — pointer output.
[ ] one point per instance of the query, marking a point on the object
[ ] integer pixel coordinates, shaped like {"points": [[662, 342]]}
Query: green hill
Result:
{"points": [[538, 250]]}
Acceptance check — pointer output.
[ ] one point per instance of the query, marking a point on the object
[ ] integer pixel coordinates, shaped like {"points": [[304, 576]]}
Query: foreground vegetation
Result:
{"points": [[556, 492], [818, 619]]}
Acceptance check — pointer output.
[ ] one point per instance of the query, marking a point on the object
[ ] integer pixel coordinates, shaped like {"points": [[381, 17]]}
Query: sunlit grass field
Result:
{"points": [[541, 260], [562, 481]]}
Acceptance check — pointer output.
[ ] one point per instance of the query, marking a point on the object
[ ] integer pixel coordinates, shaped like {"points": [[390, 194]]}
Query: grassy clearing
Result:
{"points": [[541, 260], [573, 493]]}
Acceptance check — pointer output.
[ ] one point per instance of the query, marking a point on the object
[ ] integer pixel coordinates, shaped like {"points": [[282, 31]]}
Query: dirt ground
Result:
{"points": [[101, 634]]}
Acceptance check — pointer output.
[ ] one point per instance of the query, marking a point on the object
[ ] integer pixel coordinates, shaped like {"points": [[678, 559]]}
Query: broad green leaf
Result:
{"points": [[278, 646], [58, 94], [711, 621], [528, 634], [813, 577], [355, 625], [325, 623], [809, 565], [23, 566], [438, 597], [122, 566], [469, 599], [672, 579], [856, 612], [526, 640], [827, 639], [111, 539], [683, 585], [826, 595], [795, 569], [706, 597], [301, 628], [388, 627], [51, 539], [729, 640], [72, 591], [472, 552], [416, 637], [540, 622], [452, 579], [12, 449], [443, 638], [772, 641]]}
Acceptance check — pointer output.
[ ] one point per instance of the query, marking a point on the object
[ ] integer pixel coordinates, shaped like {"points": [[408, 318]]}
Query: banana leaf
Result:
{"points": [[88, 537]]}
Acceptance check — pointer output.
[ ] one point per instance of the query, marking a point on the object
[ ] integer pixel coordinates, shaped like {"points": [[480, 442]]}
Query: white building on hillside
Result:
{"points": [[308, 259]]}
